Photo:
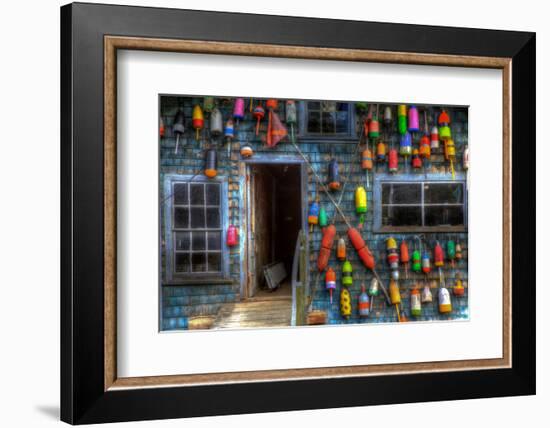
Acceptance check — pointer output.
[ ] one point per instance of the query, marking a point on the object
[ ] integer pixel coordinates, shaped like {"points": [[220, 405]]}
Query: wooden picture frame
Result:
{"points": [[91, 390]]}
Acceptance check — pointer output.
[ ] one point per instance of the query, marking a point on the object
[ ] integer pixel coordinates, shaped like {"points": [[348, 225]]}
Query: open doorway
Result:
{"points": [[275, 221]]}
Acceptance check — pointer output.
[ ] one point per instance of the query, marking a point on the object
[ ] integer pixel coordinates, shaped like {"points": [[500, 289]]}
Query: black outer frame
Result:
{"points": [[83, 399]]}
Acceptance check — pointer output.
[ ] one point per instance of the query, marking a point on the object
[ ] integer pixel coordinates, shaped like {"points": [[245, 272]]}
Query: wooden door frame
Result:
{"points": [[247, 261]]}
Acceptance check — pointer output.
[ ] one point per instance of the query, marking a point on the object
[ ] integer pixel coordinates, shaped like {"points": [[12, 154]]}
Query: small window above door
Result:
{"points": [[327, 119]]}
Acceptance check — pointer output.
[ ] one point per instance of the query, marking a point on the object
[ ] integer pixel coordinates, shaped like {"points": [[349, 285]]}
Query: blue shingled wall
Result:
{"points": [[181, 302]]}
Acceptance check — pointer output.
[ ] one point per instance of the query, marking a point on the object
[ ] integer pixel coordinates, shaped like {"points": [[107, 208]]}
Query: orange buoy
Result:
{"points": [[341, 250], [326, 247]]}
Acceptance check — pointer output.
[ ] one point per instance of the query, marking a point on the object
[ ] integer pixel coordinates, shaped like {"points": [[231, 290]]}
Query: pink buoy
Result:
{"points": [[238, 109], [414, 125]]}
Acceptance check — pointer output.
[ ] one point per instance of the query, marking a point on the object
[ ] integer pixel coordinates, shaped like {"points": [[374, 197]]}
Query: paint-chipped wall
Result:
{"points": [[181, 302]]}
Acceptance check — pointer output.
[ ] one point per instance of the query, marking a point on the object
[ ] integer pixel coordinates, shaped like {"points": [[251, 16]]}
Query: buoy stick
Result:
{"points": [[177, 143], [397, 311], [330, 292], [452, 170], [197, 135]]}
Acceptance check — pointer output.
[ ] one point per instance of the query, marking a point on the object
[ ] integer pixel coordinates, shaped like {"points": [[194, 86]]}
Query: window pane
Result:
{"points": [[212, 217], [199, 241], [329, 123], [341, 122], [214, 262], [212, 194], [183, 240], [197, 218], [401, 193], [181, 218], [197, 194], [314, 105], [342, 106], [214, 240], [314, 122], [198, 262], [443, 193], [401, 216], [180, 194], [182, 263], [444, 216]]}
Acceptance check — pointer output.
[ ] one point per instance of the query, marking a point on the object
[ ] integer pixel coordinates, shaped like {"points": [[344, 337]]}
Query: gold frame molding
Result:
{"points": [[113, 43]]}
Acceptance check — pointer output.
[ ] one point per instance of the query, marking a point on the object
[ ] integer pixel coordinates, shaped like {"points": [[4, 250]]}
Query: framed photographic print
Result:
{"points": [[273, 213]]}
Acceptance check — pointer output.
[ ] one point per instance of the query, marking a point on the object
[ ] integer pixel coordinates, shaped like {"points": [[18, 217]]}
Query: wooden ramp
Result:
{"points": [[273, 312]]}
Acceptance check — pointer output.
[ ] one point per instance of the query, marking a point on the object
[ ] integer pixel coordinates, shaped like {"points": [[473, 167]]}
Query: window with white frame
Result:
{"points": [[420, 205]]}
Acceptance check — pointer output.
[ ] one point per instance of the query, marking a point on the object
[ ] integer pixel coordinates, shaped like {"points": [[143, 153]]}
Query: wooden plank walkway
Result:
{"points": [[275, 312]]}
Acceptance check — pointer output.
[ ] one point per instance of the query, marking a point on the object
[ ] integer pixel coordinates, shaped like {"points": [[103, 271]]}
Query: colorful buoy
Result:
{"points": [[414, 125], [333, 175], [258, 114], [416, 305], [347, 274], [330, 282], [361, 204], [211, 163], [238, 109], [341, 249], [198, 120], [216, 122], [363, 303]]}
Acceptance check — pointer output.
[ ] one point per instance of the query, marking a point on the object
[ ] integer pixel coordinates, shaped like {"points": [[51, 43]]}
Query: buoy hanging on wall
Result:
{"points": [[341, 249], [161, 128], [381, 152], [416, 264], [402, 119], [414, 125], [416, 305], [393, 161], [326, 247], [445, 305], [178, 128], [313, 215], [458, 289], [323, 218], [330, 282], [363, 303], [232, 236], [238, 109], [405, 145], [211, 163], [258, 114], [229, 131], [404, 257], [395, 294], [345, 303], [416, 161], [426, 294], [246, 151], [347, 274], [444, 122], [450, 154], [333, 175], [426, 266], [361, 204], [387, 116], [216, 123], [197, 120], [291, 117]]}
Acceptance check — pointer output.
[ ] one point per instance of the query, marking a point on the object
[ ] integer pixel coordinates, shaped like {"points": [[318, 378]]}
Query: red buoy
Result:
{"points": [[362, 250], [326, 246]]}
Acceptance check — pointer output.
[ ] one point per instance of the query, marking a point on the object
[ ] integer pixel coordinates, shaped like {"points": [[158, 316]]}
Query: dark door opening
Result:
{"points": [[276, 220]]}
